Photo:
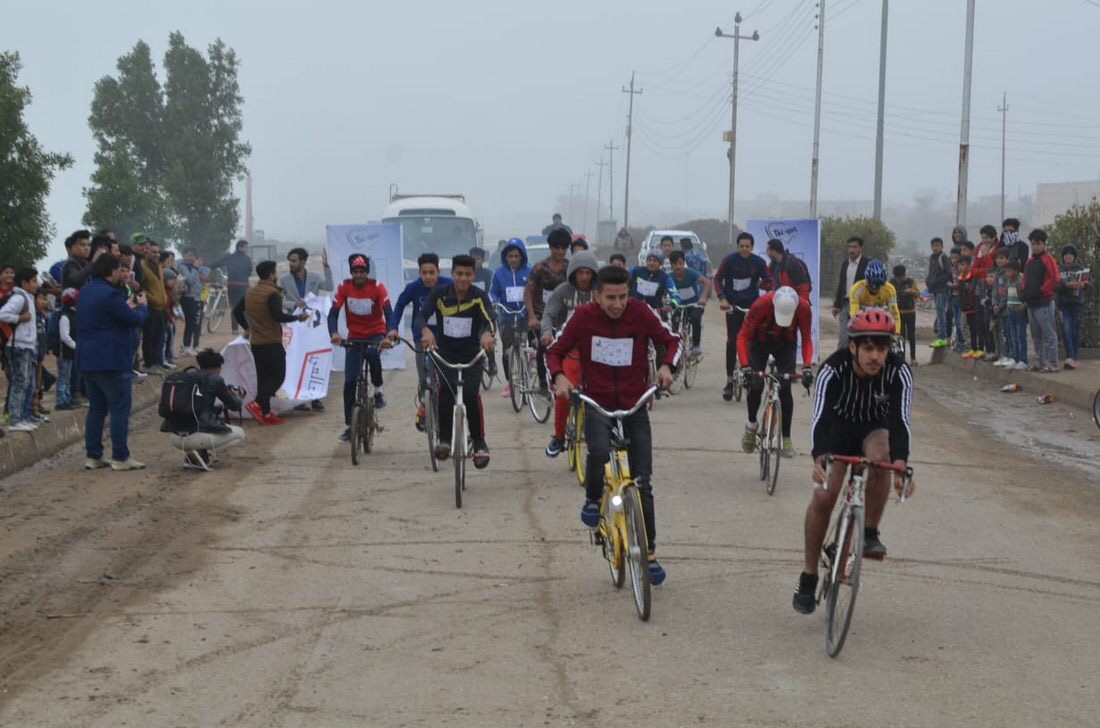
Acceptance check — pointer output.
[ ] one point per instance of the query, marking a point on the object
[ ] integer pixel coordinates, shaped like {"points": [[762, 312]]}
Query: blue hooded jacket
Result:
{"points": [[505, 278]]}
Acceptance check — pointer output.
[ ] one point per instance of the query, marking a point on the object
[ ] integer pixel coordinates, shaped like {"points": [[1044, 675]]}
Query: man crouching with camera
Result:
{"points": [[194, 404]]}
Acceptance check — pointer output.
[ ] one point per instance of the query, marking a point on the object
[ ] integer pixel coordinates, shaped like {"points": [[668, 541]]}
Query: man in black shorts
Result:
{"points": [[861, 407]]}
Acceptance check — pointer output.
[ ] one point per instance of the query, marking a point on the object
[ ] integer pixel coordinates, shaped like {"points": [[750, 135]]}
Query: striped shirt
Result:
{"points": [[842, 398]]}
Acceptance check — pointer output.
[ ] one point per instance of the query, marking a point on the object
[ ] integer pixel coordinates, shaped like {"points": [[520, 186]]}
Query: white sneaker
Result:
{"points": [[128, 464], [1009, 362], [22, 426], [93, 464], [1003, 361], [1019, 367]]}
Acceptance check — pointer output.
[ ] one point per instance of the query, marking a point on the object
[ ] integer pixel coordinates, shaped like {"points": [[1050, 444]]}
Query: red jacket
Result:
{"points": [[619, 374], [792, 272], [759, 325], [983, 263]]}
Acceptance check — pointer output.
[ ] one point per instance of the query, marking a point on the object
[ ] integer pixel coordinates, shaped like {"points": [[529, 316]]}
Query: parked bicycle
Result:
{"points": [[364, 417], [217, 301], [462, 444], [621, 532], [842, 557]]}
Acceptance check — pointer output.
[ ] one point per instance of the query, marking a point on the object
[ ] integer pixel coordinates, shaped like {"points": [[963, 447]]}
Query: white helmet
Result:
{"points": [[785, 302]]}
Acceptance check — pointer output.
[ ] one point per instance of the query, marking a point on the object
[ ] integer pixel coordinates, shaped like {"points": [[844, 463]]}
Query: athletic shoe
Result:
{"points": [[1002, 362], [988, 357], [590, 514], [1047, 370], [419, 419], [788, 448], [442, 450], [748, 440], [1020, 366], [94, 464], [22, 426], [379, 401], [555, 447], [127, 464], [138, 374], [345, 436], [481, 454], [253, 408], [39, 419], [696, 351], [273, 419], [727, 392], [1034, 368], [1070, 364], [656, 572], [506, 391], [317, 405], [303, 407], [805, 599], [170, 364], [873, 548], [157, 370], [64, 406]]}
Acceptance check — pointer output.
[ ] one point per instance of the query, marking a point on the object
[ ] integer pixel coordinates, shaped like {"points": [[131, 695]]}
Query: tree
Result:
{"points": [[1080, 226], [26, 171], [878, 241]]}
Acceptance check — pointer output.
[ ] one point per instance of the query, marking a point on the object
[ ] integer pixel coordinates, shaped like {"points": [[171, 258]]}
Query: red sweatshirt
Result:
{"points": [[760, 325]]}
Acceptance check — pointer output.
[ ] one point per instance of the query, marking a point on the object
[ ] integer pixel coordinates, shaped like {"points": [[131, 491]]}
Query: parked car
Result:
{"points": [[653, 242]]}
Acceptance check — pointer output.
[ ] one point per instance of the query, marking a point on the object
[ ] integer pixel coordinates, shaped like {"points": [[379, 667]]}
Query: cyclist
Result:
{"points": [[787, 270], [577, 242], [509, 282], [546, 275], [366, 307], [740, 277], [692, 287], [699, 262], [576, 291], [651, 284], [666, 246], [861, 407], [483, 277], [415, 292], [874, 291], [769, 329], [465, 323], [610, 336]]}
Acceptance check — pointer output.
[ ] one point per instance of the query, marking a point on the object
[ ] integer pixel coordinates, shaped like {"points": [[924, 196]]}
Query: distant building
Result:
{"points": [[1055, 198]]}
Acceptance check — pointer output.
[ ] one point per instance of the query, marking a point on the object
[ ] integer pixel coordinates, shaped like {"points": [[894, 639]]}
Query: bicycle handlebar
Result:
{"points": [[684, 305], [362, 344], [439, 358], [617, 414], [860, 461], [522, 310]]}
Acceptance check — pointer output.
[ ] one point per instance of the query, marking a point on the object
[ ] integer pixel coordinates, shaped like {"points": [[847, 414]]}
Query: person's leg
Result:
{"points": [[752, 399], [353, 363], [972, 326], [188, 305], [118, 391], [733, 324], [876, 447], [818, 512], [507, 337], [909, 332], [786, 406], [561, 413], [956, 316], [471, 397], [235, 294], [1019, 320], [1008, 336], [842, 328], [941, 314], [226, 440], [637, 430], [97, 414], [696, 327], [270, 371], [22, 371], [1068, 316], [64, 381], [1050, 335], [374, 362], [447, 404], [597, 435]]}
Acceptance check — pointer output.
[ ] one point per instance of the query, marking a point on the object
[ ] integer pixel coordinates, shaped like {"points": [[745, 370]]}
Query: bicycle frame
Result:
{"points": [[458, 449]]}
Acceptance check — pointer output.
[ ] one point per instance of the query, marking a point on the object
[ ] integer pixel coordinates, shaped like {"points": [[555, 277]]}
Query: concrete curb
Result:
{"points": [[1031, 383], [20, 450]]}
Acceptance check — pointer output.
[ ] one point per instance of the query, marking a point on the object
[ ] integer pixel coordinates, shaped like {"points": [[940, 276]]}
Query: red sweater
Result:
{"points": [[759, 325]]}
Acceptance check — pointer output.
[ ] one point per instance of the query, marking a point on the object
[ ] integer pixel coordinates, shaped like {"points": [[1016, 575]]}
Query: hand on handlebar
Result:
{"points": [[547, 339], [562, 386], [533, 323], [807, 377], [427, 339], [488, 343], [724, 305], [336, 339], [903, 485], [664, 377]]}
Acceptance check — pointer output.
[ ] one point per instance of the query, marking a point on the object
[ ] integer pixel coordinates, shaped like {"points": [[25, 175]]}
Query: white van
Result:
{"points": [[440, 224]]}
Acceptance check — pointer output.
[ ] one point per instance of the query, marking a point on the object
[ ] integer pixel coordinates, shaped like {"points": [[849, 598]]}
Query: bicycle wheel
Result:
{"points": [[691, 368], [637, 550], [580, 452], [762, 442], [356, 435], [516, 384], [738, 389], [612, 542], [840, 599], [458, 453], [486, 378], [215, 312], [570, 438], [366, 427], [773, 444], [1096, 409], [431, 421], [539, 404]]}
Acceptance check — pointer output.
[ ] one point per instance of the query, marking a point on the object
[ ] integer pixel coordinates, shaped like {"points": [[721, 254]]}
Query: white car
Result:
{"points": [[653, 242]]}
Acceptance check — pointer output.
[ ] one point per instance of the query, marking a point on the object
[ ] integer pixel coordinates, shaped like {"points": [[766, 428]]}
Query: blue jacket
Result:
{"points": [[415, 292], [739, 280], [103, 325], [662, 286], [505, 278]]}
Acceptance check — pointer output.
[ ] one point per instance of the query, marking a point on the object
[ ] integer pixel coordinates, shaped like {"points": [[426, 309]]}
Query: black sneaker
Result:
{"points": [[317, 406], [379, 401], [805, 594], [555, 447], [727, 391], [873, 548]]}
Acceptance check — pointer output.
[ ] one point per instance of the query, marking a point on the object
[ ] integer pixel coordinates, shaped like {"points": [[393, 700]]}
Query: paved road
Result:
{"points": [[292, 589]]}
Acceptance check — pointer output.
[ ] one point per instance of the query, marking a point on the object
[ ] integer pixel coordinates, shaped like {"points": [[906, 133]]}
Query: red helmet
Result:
{"points": [[871, 322]]}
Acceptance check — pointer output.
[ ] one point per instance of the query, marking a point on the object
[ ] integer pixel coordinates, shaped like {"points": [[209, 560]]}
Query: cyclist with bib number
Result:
{"points": [[611, 336], [692, 287], [740, 276], [874, 291], [507, 289], [546, 275], [861, 408]]}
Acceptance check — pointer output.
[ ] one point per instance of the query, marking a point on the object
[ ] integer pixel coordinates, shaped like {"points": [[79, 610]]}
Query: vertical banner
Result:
{"points": [[382, 244], [308, 352], [802, 239]]}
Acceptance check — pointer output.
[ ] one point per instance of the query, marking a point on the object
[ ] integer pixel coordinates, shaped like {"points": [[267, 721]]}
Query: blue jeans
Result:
{"points": [[21, 383], [1016, 335], [108, 393], [956, 317], [65, 371], [941, 314], [1071, 328]]}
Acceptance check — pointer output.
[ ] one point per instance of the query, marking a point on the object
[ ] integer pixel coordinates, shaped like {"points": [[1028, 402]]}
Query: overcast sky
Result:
{"points": [[511, 102]]}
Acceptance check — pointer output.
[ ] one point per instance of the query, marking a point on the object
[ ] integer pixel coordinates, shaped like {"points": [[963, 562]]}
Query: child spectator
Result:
{"points": [[68, 384], [907, 306], [968, 305], [954, 322], [19, 313], [1041, 278], [939, 275], [1015, 318], [43, 378], [1072, 284], [999, 312]]}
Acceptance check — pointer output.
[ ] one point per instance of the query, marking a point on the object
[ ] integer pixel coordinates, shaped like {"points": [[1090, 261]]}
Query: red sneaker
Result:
{"points": [[254, 409], [273, 419]]}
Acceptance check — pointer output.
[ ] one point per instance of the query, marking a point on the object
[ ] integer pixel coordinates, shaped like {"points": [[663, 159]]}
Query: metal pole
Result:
{"points": [[880, 133], [587, 187], [1003, 108], [573, 187], [629, 129], [964, 136], [599, 197], [248, 207], [817, 106], [610, 147], [737, 38]]}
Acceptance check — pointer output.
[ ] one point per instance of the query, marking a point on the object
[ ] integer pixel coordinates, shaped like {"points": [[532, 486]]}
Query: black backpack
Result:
{"points": [[182, 399]]}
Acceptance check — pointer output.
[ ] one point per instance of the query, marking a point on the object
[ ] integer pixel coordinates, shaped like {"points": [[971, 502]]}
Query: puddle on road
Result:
{"points": [[1055, 432]]}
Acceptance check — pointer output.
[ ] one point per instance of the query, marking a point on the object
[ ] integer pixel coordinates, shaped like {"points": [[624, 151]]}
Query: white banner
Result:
{"points": [[382, 244], [802, 239]]}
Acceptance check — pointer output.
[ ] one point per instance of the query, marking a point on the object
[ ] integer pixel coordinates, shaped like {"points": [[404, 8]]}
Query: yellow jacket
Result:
{"points": [[860, 297]]}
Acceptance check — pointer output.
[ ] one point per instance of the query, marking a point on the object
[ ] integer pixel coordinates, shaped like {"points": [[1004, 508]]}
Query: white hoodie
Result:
{"points": [[26, 333]]}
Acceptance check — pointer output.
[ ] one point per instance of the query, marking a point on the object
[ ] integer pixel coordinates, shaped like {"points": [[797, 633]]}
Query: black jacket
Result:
{"points": [[212, 389], [939, 272], [840, 300]]}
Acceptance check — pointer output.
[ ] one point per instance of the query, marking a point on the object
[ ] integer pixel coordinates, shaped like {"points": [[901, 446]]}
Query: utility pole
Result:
{"points": [[599, 198], [629, 129], [817, 106], [610, 147], [737, 38], [587, 187], [573, 187], [1003, 108], [248, 206], [881, 130], [964, 136]]}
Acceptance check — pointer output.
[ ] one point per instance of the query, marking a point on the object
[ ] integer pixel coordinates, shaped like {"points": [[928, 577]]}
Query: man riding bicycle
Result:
{"points": [[769, 330], [861, 408], [507, 291], [466, 324], [545, 276], [611, 336], [874, 291], [740, 277], [367, 308], [693, 288]]}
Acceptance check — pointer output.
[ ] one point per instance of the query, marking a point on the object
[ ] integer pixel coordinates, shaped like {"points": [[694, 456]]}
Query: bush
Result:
{"points": [[878, 241], [1081, 227]]}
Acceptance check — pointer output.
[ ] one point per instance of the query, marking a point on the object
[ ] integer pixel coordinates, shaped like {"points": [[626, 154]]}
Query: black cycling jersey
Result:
{"points": [[841, 398]]}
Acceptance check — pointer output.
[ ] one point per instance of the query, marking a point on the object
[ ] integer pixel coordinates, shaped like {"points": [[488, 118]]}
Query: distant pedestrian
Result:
{"points": [[1071, 295], [1041, 279], [1016, 318], [907, 306], [851, 271], [21, 349], [152, 330], [238, 266], [556, 224]]}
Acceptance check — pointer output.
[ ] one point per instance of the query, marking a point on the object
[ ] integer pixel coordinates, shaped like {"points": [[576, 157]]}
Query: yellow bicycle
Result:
{"points": [[621, 532], [576, 453]]}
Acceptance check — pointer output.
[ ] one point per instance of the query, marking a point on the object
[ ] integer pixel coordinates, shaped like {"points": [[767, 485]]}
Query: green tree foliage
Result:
{"points": [[878, 241], [1081, 227], [26, 171], [168, 155]]}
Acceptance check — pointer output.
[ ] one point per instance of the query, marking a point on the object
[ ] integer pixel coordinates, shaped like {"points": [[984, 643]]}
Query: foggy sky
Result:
{"points": [[510, 102]]}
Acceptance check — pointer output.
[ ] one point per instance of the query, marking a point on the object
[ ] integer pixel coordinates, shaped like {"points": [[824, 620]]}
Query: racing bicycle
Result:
{"points": [[738, 385], [769, 435], [842, 557], [364, 417], [621, 532], [461, 440]]}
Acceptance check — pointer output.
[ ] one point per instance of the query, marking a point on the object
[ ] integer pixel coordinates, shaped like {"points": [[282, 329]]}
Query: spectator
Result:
{"points": [[77, 268], [999, 309], [787, 270], [260, 313], [239, 267], [623, 242], [103, 243], [967, 303], [105, 320], [939, 275], [299, 282], [152, 331], [850, 272], [1016, 318], [908, 293], [982, 264], [20, 314], [191, 279], [7, 279], [695, 260], [196, 425], [43, 377], [618, 260], [483, 277], [172, 311], [954, 322], [138, 244], [68, 377], [1041, 279], [1010, 239], [1072, 284], [958, 236], [556, 224]]}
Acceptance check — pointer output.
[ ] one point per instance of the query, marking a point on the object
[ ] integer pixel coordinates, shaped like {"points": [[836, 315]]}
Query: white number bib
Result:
{"points": [[686, 293], [741, 284], [647, 288], [457, 327], [478, 286], [546, 295], [360, 306], [513, 294], [612, 352]]}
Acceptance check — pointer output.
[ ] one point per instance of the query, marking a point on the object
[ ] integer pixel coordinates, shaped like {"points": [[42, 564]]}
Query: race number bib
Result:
{"points": [[360, 306], [686, 293], [741, 284], [647, 288], [432, 320], [546, 295], [513, 294], [456, 327], [479, 286], [612, 352]]}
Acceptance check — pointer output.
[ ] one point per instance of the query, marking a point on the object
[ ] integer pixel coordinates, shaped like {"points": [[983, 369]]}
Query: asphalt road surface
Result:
{"points": [[289, 588]]}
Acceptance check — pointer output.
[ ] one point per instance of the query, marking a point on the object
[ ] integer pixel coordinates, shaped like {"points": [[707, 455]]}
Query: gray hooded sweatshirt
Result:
{"points": [[566, 297]]}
